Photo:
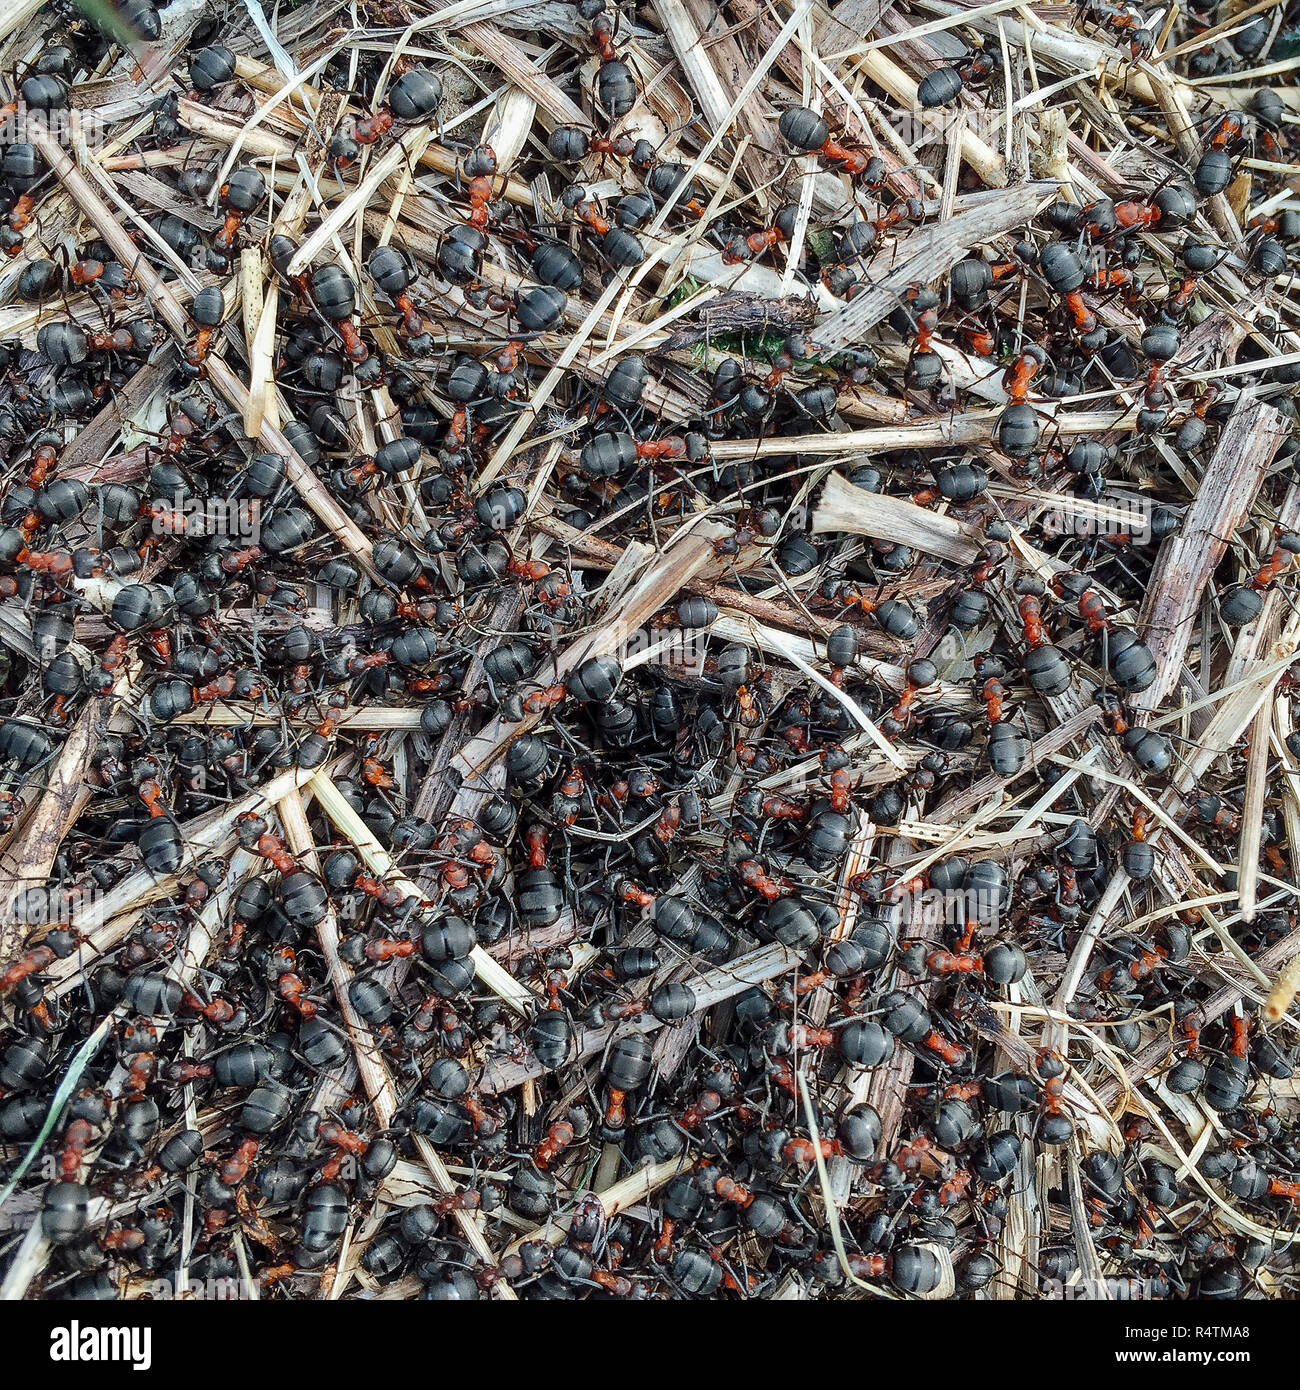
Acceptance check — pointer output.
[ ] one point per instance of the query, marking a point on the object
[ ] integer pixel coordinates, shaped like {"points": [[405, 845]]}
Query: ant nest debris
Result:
{"points": [[659, 666]]}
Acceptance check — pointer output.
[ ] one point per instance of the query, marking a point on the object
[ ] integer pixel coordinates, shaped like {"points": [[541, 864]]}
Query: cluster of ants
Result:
{"points": [[299, 959]]}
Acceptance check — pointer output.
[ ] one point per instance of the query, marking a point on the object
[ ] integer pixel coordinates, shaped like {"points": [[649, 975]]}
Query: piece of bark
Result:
{"points": [[927, 255], [1190, 555], [710, 988]]}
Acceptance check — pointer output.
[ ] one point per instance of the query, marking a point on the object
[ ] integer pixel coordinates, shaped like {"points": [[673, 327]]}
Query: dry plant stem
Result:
{"points": [[220, 713], [927, 255], [1106, 908], [182, 970], [370, 1064], [1190, 556], [694, 555], [437, 790], [974, 427], [885, 1087], [467, 1221], [1252, 810], [169, 309], [507, 130], [1159, 1049], [217, 126], [16, 15], [507, 56], [106, 922], [627, 1192], [745, 630], [1040, 750], [263, 402], [846, 508], [94, 441], [727, 596], [685, 23], [43, 829], [380, 863], [710, 988], [987, 163], [1090, 1266]]}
